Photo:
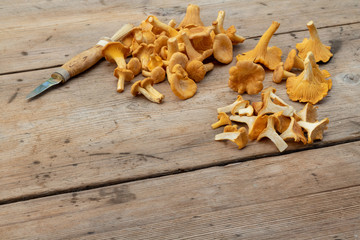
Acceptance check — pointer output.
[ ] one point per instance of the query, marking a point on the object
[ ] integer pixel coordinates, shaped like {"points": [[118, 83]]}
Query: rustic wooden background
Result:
{"points": [[85, 162]]}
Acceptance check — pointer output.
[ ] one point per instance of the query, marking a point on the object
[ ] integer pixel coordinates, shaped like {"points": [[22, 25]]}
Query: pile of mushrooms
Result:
{"points": [[271, 118], [158, 50], [311, 85]]}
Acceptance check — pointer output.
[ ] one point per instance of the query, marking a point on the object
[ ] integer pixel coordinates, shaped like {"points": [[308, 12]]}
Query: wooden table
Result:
{"points": [[85, 162]]}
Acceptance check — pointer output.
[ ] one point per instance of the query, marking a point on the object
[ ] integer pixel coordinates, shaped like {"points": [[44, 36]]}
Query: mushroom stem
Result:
{"points": [[313, 31], [263, 43], [148, 95], [120, 83], [157, 23], [190, 50], [153, 92], [308, 70], [287, 74], [208, 67], [172, 47], [219, 23], [120, 61], [192, 16], [270, 133]]}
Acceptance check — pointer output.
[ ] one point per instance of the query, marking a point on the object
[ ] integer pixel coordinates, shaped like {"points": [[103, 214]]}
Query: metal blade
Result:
{"points": [[49, 83]]}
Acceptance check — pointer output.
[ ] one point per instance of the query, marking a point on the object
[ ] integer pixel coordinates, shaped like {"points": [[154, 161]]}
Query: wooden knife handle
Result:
{"points": [[83, 61]]}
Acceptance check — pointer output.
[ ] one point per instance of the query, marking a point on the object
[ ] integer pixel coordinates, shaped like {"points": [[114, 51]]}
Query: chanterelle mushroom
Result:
{"points": [[197, 70], [246, 76], [145, 88], [311, 85], [314, 130], [143, 53], [294, 132], [237, 136], [230, 32], [181, 85], [192, 53], [123, 75], [293, 61], [281, 122], [134, 65], [192, 16], [223, 48], [157, 74], [243, 108], [308, 113], [280, 73], [256, 124], [228, 108], [116, 52], [271, 133], [314, 44], [268, 56], [223, 119], [157, 23], [178, 58], [269, 106]]}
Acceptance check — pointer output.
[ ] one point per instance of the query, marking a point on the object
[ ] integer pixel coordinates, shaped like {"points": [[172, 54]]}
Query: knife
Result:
{"points": [[80, 62]]}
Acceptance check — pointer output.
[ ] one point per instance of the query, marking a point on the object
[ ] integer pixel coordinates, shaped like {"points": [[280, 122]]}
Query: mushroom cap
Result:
{"points": [[195, 31], [290, 60], [134, 65], [113, 50], [146, 49], [147, 81], [154, 61], [258, 126], [223, 48], [181, 85], [278, 73], [294, 132], [196, 70], [281, 122], [157, 74], [246, 76], [308, 113], [135, 88], [321, 52], [231, 33], [314, 130], [257, 107], [160, 42], [128, 74], [178, 58]]}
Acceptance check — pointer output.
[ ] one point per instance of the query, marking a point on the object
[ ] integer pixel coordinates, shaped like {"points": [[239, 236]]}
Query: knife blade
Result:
{"points": [[42, 87], [80, 62]]}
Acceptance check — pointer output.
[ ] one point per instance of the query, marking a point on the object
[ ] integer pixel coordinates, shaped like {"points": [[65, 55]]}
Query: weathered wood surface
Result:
{"points": [[39, 34], [85, 162], [306, 195], [85, 134]]}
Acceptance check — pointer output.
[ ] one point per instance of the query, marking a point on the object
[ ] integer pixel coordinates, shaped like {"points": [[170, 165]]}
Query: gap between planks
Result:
{"points": [[256, 36], [178, 171]]}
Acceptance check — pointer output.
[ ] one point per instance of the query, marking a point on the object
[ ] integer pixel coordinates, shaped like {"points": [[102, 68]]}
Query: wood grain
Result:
{"points": [[85, 134], [307, 195], [42, 34]]}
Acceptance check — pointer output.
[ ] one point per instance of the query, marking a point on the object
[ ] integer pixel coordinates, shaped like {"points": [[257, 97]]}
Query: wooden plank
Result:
{"points": [[307, 195], [86, 134], [40, 34]]}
